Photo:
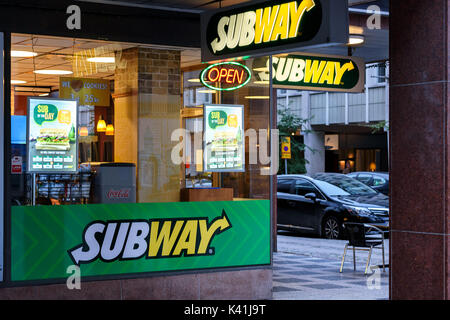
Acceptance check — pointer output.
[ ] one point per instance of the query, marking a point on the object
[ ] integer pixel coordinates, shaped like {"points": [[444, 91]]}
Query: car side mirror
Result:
{"points": [[312, 196]]}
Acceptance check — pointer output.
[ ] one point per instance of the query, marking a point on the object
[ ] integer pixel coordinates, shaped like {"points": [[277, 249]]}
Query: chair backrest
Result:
{"points": [[356, 234]]}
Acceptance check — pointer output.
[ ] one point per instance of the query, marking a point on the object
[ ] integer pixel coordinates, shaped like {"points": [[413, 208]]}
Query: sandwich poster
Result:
{"points": [[52, 135], [224, 148]]}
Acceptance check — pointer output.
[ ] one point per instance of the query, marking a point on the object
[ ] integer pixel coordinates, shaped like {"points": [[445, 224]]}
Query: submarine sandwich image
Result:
{"points": [[224, 141], [53, 139]]}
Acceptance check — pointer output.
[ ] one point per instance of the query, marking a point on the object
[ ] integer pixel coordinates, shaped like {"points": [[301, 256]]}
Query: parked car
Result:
{"points": [[376, 180], [321, 205]]}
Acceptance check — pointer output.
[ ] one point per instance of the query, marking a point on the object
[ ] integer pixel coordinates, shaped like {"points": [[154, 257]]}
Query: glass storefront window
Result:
{"points": [[254, 97], [122, 90], [94, 151]]}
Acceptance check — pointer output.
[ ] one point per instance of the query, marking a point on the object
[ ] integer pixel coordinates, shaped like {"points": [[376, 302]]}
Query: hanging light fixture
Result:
{"points": [[109, 130], [101, 125], [84, 132]]}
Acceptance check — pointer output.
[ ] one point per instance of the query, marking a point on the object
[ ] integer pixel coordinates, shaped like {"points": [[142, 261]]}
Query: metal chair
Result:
{"points": [[363, 237]]}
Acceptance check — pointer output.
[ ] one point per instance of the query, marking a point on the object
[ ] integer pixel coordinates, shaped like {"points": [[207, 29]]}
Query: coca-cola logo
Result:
{"points": [[118, 194]]}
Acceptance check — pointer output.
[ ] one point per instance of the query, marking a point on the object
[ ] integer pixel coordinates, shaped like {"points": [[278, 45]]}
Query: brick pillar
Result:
{"points": [[126, 106], [419, 145], [147, 110]]}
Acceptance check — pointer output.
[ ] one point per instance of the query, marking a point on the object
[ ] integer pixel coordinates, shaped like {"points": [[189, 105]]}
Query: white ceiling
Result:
{"points": [[70, 54]]}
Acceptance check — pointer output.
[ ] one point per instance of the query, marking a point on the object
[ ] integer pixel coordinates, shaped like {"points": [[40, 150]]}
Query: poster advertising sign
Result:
{"points": [[313, 72], [52, 135], [267, 27], [88, 92], [127, 238], [224, 147]]}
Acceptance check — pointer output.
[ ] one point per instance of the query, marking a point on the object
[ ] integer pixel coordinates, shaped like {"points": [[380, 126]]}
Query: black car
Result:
{"points": [[322, 205], [376, 180]]}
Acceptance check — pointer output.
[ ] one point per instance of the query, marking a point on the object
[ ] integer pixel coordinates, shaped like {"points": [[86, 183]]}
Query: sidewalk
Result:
{"points": [[314, 274]]}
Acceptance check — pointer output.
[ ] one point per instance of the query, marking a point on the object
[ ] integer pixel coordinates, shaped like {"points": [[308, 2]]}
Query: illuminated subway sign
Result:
{"points": [[310, 72], [269, 26], [225, 76]]}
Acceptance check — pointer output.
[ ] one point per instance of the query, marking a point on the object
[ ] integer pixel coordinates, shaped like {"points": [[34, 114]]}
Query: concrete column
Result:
{"points": [[314, 140], [419, 145], [316, 156]]}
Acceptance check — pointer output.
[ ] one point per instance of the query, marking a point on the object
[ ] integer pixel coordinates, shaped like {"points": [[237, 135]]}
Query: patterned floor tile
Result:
{"points": [[324, 286], [281, 289]]}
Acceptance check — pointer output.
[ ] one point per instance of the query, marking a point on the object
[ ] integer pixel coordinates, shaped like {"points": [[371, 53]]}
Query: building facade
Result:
{"points": [[341, 127], [45, 233]]}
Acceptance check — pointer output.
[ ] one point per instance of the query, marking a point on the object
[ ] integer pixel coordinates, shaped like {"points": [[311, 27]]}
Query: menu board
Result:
{"points": [[224, 148], [52, 135]]}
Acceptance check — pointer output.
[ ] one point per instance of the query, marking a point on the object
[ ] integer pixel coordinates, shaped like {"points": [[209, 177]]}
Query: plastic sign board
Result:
{"points": [[286, 148], [88, 92], [313, 72], [224, 147], [52, 133], [225, 76], [131, 238], [269, 27]]}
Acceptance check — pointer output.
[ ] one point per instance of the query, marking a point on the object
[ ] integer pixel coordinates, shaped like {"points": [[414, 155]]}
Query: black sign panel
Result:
{"points": [[306, 71], [269, 27]]}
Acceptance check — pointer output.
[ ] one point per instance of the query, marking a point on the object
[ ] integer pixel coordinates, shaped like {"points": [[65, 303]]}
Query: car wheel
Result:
{"points": [[331, 228]]}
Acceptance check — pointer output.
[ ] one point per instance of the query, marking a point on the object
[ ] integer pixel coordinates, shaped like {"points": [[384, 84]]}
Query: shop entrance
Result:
{"points": [[94, 126]]}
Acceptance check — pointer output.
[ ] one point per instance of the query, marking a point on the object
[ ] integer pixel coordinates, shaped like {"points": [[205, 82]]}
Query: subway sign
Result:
{"points": [[313, 72], [225, 76], [130, 238], [149, 239], [269, 27]]}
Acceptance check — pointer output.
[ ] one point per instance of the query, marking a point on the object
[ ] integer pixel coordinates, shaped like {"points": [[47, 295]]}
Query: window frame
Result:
{"points": [[317, 191]]}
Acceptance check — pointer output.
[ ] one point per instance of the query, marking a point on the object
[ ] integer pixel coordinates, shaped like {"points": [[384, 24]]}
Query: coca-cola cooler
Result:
{"points": [[114, 182]]}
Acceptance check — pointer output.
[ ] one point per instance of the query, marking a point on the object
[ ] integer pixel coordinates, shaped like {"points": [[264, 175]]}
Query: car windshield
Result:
{"points": [[331, 190], [350, 185]]}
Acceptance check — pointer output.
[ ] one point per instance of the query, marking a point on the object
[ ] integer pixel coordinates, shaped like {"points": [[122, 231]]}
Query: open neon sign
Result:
{"points": [[225, 76]]}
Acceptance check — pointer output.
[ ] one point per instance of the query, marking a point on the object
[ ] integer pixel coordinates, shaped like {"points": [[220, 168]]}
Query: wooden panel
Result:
{"points": [[222, 194]]}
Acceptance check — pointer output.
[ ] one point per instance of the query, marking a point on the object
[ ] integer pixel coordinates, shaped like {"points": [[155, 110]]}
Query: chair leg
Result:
{"points": [[368, 260], [354, 259], [343, 258]]}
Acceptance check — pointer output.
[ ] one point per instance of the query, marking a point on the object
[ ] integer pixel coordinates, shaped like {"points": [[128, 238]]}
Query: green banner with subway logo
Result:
{"points": [[104, 239]]}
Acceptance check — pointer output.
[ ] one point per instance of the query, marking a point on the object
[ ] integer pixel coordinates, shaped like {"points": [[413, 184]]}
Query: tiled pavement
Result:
{"points": [[298, 277]]}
